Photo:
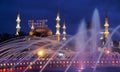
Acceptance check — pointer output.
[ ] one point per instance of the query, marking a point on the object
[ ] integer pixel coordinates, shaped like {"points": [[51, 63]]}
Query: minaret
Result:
{"points": [[106, 25], [18, 24], [64, 32], [32, 26], [58, 27]]}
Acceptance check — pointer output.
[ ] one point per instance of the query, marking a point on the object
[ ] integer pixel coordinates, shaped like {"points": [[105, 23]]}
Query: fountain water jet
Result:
{"points": [[80, 42]]}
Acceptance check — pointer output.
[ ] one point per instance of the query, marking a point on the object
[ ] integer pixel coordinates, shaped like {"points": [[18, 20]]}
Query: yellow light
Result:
{"points": [[4, 70], [30, 67], [40, 53], [107, 51]]}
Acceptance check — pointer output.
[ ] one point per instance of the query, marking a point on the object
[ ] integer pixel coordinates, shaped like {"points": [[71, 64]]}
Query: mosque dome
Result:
{"points": [[41, 31]]}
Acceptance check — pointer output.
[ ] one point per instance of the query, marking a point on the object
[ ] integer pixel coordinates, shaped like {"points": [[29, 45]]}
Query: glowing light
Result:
{"points": [[24, 63], [30, 67], [27, 62], [20, 63], [67, 62], [4, 64], [37, 63], [4, 70], [81, 67], [102, 62], [40, 66], [1, 64], [107, 51], [61, 54], [113, 62], [40, 53], [11, 69], [8, 64], [20, 68], [40, 62], [31, 63], [116, 62]]}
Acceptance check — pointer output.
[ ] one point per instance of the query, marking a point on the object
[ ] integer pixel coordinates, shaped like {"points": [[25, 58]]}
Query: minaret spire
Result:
{"points": [[58, 27], [64, 32], [18, 24], [106, 25], [31, 33], [32, 26]]}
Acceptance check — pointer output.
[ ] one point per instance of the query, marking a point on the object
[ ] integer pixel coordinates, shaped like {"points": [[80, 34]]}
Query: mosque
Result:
{"points": [[42, 50], [39, 28], [42, 30]]}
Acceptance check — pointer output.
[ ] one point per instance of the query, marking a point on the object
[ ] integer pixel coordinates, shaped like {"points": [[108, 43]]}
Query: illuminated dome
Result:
{"points": [[41, 31]]}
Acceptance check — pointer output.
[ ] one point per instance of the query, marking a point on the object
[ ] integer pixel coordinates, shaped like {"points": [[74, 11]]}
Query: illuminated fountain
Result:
{"points": [[85, 50]]}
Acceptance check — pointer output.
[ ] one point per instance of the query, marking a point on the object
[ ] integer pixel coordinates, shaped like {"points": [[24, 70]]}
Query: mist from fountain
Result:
{"points": [[80, 42], [86, 43]]}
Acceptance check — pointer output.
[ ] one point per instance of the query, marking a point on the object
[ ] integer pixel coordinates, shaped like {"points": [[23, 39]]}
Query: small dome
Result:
{"points": [[31, 33], [49, 32]]}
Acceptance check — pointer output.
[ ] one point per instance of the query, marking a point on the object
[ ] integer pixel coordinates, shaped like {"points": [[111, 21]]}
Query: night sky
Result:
{"points": [[72, 11]]}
